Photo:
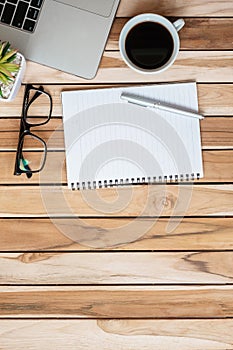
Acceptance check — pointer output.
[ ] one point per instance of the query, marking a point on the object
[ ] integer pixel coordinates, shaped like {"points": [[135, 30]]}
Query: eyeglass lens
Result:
{"points": [[32, 153], [38, 109]]}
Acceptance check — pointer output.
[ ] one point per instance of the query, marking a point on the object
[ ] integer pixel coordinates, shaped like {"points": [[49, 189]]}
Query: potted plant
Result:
{"points": [[12, 68]]}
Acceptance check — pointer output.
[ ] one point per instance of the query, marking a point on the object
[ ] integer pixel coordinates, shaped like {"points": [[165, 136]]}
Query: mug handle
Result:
{"points": [[179, 24]]}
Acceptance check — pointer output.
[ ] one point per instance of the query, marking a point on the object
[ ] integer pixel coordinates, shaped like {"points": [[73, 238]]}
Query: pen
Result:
{"points": [[149, 103]]}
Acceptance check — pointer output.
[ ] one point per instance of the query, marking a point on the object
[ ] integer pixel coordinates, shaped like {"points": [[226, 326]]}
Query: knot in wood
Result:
{"points": [[168, 201]]}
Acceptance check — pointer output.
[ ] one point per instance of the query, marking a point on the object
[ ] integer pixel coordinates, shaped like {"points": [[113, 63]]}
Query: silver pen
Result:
{"points": [[150, 103]]}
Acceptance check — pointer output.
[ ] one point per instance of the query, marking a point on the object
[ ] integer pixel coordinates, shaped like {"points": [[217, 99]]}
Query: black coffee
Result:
{"points": [[149, 45]]}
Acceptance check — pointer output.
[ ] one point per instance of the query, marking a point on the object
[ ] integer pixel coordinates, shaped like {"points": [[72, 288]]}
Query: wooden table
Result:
{"points": [[164, 290]]}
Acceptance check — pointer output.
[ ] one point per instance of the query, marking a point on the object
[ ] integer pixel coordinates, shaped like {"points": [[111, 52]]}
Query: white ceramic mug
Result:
{"points": [[172, 28]]}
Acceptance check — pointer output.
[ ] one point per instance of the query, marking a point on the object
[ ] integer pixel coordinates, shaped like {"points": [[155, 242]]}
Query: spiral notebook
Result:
{"points": [[110, 142]]}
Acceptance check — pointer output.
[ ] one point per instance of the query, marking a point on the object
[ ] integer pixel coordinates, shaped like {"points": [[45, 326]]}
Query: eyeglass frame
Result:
{"points": [[25, 129]]}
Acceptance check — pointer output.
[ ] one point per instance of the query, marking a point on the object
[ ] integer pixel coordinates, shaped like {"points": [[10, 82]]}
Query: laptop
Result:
{"points": [[69, 35]]}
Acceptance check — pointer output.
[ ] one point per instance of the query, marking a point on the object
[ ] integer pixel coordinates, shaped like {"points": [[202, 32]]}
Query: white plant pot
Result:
{"points": [[18, 80]]}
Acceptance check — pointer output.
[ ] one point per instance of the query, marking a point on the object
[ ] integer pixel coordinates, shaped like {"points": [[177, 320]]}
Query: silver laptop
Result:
{"points": [[69, 35]]}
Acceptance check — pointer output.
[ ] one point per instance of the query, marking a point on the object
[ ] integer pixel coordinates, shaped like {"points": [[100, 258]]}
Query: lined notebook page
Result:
{"points": [[110, 141]]}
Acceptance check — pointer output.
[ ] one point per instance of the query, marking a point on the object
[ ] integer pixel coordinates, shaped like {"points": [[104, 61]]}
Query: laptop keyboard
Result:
{"points": [[20, 14]]}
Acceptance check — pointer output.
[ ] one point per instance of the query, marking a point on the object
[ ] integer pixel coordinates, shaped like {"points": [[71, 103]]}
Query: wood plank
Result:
{"points": [[214, 100], [218, 167], [116, 268], [216, 133], [116, 234], [197, 34], [117, 334], [158, 200], [117, 302], [200, 66], [202, 8]]}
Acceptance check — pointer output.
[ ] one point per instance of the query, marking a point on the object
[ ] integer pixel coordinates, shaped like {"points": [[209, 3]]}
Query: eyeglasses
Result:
{"points": [[32, 150]]}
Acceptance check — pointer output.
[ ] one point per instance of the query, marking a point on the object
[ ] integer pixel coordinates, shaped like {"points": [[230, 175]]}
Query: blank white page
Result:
{"points": [[110, 141]]}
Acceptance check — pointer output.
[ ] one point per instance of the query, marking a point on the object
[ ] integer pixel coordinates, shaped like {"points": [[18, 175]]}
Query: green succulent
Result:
{"points": [[7, 67]]}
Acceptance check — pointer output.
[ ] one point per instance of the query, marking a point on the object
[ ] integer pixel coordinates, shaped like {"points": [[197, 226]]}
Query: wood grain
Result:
{"points": [[118, 268], [116, 234], [158, 200], [117, 334], [195, 8], [218, 167], [217, 133], [213, 99], [197, 34], [200, 66], [117, 302]]}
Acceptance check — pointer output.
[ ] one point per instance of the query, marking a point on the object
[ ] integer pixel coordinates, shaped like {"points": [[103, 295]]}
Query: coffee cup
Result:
{"points": [[150, 43]]}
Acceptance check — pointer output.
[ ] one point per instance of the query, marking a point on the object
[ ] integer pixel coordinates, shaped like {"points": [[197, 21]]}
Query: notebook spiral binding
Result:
{"points": [[90, 185]]}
